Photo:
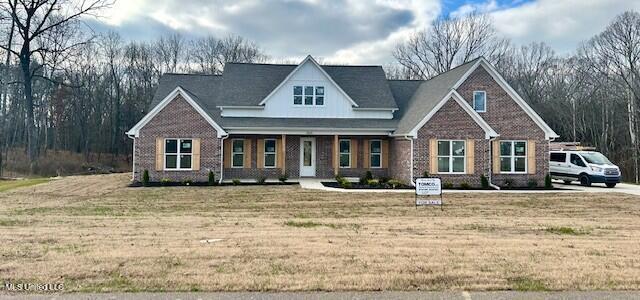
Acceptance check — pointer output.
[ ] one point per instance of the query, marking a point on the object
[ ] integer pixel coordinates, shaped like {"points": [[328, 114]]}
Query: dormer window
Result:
{"points": [[480, 101], [308, 95]]}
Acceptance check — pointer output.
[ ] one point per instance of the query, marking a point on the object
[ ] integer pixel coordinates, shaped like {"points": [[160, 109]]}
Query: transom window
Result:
{"points": [[237, 153], [345, 153], [451, 157], [178, 154], [480, 101], [308, 95], [513, 156], [375, 151], [270, 153]]}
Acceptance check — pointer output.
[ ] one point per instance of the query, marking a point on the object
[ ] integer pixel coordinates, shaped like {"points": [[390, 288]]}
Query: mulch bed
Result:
{"points": [[357, 186]]}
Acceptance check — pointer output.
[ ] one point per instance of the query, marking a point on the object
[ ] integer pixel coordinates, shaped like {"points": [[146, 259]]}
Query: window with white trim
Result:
{"points": [[451, 156], [308, 95], [178, 154], [480, 101], [270, 153], [237, 153], [345, 153], [513, 156], [375, 153]]}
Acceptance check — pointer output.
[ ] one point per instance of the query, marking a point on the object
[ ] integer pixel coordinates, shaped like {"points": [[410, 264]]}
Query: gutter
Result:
{"points": [[133, 165], [491, 163], [222, 158], [411, 164]]}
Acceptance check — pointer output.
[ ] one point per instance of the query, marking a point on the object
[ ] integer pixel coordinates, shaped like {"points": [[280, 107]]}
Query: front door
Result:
{"points": [[307, 157]]}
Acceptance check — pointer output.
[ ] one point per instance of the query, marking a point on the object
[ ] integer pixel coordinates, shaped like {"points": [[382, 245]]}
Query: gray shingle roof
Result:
{"points": [[427, 96], [248, 84]]}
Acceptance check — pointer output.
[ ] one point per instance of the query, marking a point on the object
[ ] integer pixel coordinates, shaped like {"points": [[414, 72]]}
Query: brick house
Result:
{"points": [[311, 120]]}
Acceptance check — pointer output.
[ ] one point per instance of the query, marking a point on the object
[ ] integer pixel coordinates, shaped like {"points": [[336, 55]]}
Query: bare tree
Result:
{"points": [[169, 53], [450, 42], [36, 19], [210, 54]]}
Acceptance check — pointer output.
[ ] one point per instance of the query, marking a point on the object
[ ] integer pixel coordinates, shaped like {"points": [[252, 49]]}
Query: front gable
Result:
{"points": [[506, 111]]}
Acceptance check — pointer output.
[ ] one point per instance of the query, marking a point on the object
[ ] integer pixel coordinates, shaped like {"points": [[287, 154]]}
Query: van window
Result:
{"points": [[559, 157], [576, 160]]}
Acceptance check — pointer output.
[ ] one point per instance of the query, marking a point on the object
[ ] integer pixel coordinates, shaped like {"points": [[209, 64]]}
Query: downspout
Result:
{"points": [[411, 164], [133, 167], [222, 158], [491, 162]]}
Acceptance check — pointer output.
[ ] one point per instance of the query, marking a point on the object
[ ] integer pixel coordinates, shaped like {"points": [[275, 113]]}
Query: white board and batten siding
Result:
{"points": [[280, 104]]}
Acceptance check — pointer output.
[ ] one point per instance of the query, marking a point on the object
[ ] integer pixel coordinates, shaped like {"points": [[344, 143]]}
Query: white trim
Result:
{"points": [[371, 153], [340, 154], [451, 156], [308, 58], [489, 132], [264, 153], [474, 101], [135, 130], [512, 157], [309, 131], [177, 154], [244, 152], [548, 132], [375, 109]]}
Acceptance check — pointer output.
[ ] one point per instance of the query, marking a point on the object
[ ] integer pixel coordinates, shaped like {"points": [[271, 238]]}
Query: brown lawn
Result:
{"points": [[94, 234]]}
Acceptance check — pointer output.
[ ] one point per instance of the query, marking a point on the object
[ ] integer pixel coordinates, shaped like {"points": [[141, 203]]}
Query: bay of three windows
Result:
{"points": [[308, 95]]}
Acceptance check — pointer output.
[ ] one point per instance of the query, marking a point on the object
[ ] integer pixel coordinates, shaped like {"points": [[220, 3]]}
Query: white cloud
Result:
{"points": [[561, 24]]}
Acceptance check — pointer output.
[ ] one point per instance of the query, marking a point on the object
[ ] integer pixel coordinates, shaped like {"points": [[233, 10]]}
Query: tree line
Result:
{"points": [[63, 87]]}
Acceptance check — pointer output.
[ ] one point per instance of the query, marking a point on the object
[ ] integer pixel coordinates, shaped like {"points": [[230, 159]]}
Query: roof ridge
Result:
{"points": [[295, 65], [459, 66], [190, 74]]}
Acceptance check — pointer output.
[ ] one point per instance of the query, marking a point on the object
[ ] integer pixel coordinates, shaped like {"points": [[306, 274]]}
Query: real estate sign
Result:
{"points": [[426, 188]]}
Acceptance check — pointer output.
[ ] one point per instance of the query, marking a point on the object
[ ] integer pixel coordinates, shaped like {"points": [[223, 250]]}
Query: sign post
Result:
{"points": [[426, 190]]}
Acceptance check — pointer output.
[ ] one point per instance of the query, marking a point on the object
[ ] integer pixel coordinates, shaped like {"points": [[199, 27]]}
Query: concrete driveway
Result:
{"points": [[625, 188]]}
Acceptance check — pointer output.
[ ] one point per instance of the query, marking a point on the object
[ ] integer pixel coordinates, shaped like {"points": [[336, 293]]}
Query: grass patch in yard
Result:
{"points": [[566, 230], [312, 224], [6, 185], [12, 222], [526, 284]]}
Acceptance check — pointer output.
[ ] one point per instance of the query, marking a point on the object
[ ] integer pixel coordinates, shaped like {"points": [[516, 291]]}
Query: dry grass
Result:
{"points": [[6, 185], [94, 234]]}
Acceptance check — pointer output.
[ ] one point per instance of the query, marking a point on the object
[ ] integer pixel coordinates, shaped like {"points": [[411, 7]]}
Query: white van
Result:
{"points": [[587, 167]]}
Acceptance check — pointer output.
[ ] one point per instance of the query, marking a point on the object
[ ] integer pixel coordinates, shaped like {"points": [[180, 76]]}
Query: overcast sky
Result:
{"points": [[355, 31]]}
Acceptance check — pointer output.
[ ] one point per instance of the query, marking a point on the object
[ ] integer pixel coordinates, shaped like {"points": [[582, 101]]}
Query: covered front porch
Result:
{"points": [[249, 157]]}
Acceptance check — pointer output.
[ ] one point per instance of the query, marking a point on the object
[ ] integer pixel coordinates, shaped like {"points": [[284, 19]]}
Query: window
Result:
{"points": [[345, 153], [177, 154], [576, 160], [308, 95], [375, 151], [319, 95], [451, 157], [297, 95], [558, 157], [270, 153], [237, 153], [480, 101], [513, 156]]}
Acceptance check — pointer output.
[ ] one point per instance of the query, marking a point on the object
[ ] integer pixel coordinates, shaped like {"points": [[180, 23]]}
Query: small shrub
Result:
{"points": [[165, 181], [447, 185], [145, 178], [484, 182], [187, 182], [394, 183], [261, 180], [373, 182], [532, 183], [465, 186], [547, 182], [283, 178], [338, 177], [383, 179], [212, 178], [425, 174], [366, 177], [508, 183], [345, 184], [235, 181]]}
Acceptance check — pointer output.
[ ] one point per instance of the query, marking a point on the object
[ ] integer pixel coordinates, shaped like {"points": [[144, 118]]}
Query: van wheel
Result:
{"points": [[567, 182], [585, 181], [611, 185]]}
